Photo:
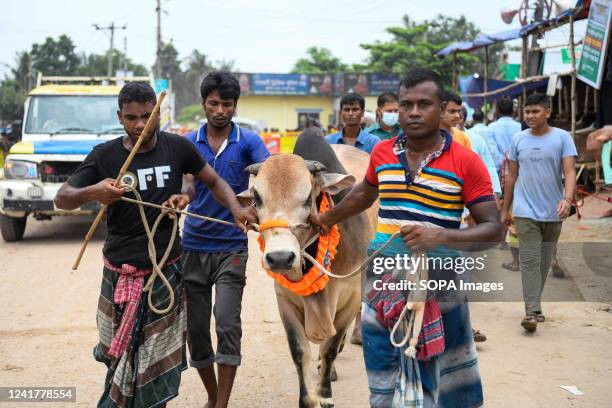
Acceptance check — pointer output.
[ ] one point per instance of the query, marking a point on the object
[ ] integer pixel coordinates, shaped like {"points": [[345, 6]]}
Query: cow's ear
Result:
{"points": [[245, 198], [333, 183]]}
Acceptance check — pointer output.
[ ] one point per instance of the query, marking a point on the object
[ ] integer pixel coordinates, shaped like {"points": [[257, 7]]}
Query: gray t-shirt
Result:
{"points": [[539, 187]]}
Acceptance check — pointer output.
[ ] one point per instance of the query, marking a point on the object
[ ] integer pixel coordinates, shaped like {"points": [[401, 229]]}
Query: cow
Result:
{"points": [[287, 187]]}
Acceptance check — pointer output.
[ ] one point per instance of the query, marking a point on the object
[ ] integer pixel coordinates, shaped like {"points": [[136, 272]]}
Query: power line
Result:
{"points": [[112, 27]]}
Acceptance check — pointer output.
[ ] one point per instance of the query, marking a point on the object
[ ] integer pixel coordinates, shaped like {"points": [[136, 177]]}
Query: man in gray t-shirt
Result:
{"points": [[538, 158]]}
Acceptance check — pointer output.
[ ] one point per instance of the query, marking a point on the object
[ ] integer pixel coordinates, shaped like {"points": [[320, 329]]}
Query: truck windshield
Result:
{"points": [[78, 114]]}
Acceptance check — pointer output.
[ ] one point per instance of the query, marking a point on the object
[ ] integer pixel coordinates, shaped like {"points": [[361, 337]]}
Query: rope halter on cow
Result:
{"points": [[315, 279]]}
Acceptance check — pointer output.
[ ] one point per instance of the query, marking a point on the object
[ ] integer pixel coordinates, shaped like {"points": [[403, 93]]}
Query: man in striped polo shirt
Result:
{"points": [[423, 179]]}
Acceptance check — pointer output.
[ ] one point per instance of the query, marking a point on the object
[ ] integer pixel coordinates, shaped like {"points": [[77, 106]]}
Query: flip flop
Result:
{"points": [[511, 266], [540, 318], [557, 271], [478, 336], [530, 323]]}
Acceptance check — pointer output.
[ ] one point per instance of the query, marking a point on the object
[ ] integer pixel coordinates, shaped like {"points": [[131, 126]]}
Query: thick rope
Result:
{"points": [[150, 232], [412, 328], [357, 270], [139, 202]]}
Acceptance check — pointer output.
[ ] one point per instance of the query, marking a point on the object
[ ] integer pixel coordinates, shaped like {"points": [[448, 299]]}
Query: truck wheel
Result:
{"points": [[12, 228]]}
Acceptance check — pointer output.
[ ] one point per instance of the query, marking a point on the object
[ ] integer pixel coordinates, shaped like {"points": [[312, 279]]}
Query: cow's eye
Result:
{"points": [[256, 198], [308, 202]]}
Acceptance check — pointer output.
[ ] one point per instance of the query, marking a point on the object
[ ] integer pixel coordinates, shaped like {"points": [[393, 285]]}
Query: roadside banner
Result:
{"points": [[592, 61]]}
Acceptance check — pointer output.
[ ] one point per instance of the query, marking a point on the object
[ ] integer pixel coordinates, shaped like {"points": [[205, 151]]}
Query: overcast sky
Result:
{"points": [[260, 35]]}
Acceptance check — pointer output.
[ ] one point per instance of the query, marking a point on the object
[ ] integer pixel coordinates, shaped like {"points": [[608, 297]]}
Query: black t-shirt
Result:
{"points": [[156, 174]]}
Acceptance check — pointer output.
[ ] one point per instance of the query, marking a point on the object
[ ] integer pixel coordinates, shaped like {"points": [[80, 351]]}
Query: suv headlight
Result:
{"points": [[20, 170]]}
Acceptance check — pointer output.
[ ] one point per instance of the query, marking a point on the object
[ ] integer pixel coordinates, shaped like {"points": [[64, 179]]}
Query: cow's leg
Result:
{"points": [[329, 351], [293, 321]]}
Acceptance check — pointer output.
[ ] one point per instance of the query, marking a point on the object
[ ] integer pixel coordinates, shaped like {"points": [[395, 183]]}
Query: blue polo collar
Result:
{"points": [[234, 135]]}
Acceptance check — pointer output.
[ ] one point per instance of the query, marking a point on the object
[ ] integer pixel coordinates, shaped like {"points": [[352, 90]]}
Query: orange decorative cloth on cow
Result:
{"points": [[314, 280]]}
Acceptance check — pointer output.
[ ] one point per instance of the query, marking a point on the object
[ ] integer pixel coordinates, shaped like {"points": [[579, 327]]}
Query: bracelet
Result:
{"points": [[569, 200]]}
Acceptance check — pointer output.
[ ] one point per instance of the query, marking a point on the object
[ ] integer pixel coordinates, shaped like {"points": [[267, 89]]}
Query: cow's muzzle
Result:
{"points": [[281, 260]]}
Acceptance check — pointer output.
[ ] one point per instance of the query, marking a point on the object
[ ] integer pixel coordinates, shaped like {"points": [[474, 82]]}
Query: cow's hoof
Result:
{"points": [[309, 402], [333, 376], [326, 402]]}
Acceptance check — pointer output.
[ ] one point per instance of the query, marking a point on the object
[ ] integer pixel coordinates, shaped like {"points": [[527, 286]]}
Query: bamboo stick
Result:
{"points": [[455, 85], [524, 51], [573, 89], [486, 85], [519, 82]]}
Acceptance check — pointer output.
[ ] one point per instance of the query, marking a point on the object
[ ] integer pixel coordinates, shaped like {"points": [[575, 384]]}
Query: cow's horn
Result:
{"points": [[253, 168], [314, 166]]}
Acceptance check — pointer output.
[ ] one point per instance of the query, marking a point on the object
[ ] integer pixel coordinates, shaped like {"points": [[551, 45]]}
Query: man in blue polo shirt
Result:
{"points": [[352, 108], [216, 254]]}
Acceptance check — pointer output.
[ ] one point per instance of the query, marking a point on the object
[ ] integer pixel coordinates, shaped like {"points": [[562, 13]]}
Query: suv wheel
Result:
{"points": [[12, 228]]}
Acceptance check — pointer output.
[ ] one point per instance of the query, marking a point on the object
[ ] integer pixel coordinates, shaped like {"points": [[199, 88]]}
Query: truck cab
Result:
{"points": [[64, 118]]}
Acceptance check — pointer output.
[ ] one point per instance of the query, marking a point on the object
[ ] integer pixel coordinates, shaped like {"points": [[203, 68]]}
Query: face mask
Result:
{"points": [[390, 118]]}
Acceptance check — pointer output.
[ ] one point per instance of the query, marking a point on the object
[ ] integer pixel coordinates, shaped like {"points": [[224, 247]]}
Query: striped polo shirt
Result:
{"points": [[455, 179]]}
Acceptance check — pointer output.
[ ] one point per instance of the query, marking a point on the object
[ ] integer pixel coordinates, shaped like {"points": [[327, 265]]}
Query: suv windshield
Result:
{"points": [[77, 114]]}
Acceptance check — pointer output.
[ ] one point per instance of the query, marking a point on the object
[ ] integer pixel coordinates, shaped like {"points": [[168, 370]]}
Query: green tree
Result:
{"points": [[416, 44], [170, 63], [23, 72], [11, 100], [319, 60], [187, 88], [55, 57], [97, 64], [192, 69]]}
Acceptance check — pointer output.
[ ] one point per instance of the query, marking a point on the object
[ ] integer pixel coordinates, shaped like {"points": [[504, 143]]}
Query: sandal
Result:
{"points": [[511, 266], [540, 318], [478, 336], [557, 270], [530, 323]]}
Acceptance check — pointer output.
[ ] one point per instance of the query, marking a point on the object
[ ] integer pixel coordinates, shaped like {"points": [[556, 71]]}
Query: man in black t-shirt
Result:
{"points": [[145, 352]]}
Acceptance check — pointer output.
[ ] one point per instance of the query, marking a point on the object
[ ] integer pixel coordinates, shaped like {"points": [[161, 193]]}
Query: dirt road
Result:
{"points": [[47, 331]]}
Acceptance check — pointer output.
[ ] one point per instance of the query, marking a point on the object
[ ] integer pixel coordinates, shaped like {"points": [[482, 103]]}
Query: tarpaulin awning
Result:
{"points": [[471, 85], [481, 41], [581, 10]]}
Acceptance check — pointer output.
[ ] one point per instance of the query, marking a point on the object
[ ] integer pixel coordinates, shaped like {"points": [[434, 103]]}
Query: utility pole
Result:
{"points": [[159, 41], [112, 27], [535, 57], [124, 62]]}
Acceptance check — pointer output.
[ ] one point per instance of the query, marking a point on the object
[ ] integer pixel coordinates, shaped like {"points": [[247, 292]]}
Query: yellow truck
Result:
{"points": [[64, 118]]}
